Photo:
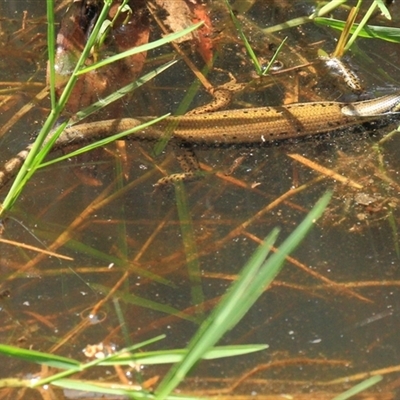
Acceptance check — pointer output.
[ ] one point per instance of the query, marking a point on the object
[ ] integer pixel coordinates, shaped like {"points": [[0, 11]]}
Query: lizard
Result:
{"points": [[240, 126]]}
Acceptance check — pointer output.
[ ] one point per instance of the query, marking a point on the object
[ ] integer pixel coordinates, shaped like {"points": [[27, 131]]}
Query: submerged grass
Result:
{"points": [[190, 247], [356, 389]]}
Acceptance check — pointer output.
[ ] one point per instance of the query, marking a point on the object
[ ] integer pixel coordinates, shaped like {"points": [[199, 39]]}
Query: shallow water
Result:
{"points": [[333, 311]]}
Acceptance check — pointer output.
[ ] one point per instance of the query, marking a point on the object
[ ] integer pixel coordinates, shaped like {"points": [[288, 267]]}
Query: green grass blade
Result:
{"points": [[145, 47], [83, 57], [252, 281], [387, 33], [327, 8], [359, 388], [214, 326], [383, 9], [102, 103], [103, 142], [174, 356], [80, 115], [271, 62], [146, 303], [82, 367], [51, 34], [39, 358], [361, 25], [260, 70], [90, 387], [182, 109], [246, 43], [106, 258], [190, 247]]}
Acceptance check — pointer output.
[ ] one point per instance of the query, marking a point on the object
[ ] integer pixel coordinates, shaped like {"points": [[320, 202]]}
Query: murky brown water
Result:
{"points": [[334, 310]]}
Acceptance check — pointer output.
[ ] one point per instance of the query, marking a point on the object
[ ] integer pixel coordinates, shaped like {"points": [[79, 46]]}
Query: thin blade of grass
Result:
{"points": [[55, 361], [190, 247], [252, 281], [146, 303], [102, 142], [46, 148], [260, 70], [182, 109], [387, 33], [80, 115], [326, 9], [38, 357], [360, 387], [214, 327], [174, 356], [383, 9], [92, 387], [51, 34], [91, 364], [96, 107], [246, 43], [104, 257], [145, 47], [271, 62], [361, 25], [109, 25], [83, 57]]}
